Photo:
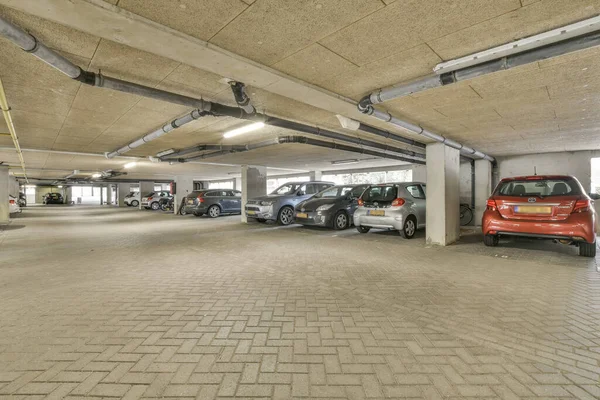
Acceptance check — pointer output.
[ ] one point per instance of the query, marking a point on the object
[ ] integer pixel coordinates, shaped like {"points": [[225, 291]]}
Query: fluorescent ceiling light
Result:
{"points": [[348, 123], [165, 153], [96, 175], [244, 129], [339, 162], [60, 186], [130, 164], [519, 46]]}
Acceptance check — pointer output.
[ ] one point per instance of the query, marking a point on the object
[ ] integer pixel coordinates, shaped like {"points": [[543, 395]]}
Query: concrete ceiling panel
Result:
{"points": [[522, 22], [27, 98], [125, 62], [104, 101], [85, 119], [198, 18], [206, 82], [407, 23], [271, 30]]}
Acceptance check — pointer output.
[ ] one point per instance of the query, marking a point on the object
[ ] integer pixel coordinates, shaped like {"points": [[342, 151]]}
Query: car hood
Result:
{"points": [[313, 204]]}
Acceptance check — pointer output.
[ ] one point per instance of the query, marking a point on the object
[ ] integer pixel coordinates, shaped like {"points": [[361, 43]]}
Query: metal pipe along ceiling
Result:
{"points": [[514, 60], [11, 128]]}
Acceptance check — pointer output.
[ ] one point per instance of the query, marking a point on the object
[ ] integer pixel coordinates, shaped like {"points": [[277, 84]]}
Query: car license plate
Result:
{"points": [[376, 213], [251, 212], [301, 215], [533, 209]]}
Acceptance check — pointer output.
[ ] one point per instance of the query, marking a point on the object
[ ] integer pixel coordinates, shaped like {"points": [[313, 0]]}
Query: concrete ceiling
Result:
{"points": [[345, 48]]}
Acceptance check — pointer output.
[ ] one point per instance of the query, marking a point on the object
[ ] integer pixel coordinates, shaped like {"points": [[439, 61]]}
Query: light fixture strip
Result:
{"points": [[244, 129]]}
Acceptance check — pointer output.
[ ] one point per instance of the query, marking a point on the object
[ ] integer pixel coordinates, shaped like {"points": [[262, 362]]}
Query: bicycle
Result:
{"points": [[466, 214]]}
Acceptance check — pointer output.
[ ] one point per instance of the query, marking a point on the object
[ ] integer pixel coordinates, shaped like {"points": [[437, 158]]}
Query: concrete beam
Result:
{"points": [[110, 22]]}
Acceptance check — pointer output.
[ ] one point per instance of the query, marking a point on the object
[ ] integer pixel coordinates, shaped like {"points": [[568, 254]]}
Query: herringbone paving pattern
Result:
{"points": [[107, 303]]}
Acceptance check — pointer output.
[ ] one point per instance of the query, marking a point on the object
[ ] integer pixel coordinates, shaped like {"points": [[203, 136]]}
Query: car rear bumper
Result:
{"points": [[391, 220], [195, 209], [578, 227]]}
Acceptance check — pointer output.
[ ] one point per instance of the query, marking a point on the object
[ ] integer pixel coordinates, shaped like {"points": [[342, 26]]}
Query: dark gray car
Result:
{"points": [[279, 205], [213, 202], [332, 207]]}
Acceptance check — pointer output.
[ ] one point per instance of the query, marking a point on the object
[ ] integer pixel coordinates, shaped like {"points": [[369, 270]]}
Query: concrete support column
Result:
{"points": [[109, 194], [419, 173], [69, 195], [238, 183], [101, 195], [185, 186], [483, 187], [145, 188], [122, 191], [254, 184], [443, 197], [4, 188], [315, 175]]}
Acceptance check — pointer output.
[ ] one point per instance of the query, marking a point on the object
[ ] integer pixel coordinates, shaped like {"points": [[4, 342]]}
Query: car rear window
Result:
{"points": [[539, 187], [381, 193]]}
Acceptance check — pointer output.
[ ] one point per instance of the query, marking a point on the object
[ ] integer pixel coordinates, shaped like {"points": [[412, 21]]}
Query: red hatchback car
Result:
{"points": [[546, 207]]}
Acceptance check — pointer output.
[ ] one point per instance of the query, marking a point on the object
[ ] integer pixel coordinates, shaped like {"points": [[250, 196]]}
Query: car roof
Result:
{"points": [[398, 183], [536, 177]]}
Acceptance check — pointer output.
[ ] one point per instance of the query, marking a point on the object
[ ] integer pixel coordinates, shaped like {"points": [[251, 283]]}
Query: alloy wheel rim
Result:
{"points": [[410, 228], [286, 216], [341, 221], [214, 212]]}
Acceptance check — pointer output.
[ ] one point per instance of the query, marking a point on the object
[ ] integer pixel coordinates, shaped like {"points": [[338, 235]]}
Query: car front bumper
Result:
{"points": [[393, 219], [578, 227], [318, 218], [260, 212]]}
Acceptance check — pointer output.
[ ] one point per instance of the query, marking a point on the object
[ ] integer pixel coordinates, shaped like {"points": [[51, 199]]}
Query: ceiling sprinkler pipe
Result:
{"points": [[241, 98]]}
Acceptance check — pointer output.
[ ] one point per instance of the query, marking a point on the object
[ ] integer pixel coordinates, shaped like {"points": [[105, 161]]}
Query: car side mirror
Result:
{"points": [[594, 196]]}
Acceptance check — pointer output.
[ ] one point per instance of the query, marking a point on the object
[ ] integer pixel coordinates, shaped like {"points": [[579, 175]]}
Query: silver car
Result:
{"points": [[279, 205], [397, 206]]}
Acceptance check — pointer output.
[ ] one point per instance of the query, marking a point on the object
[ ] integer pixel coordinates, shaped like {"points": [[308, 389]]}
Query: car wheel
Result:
{"points": [[286, 216], [341, 221], [410, 227], [155, 206], [134, 203], [214, 211], [182, 211], [261, 220], [363, 229], [490, 240], [587, 249]]}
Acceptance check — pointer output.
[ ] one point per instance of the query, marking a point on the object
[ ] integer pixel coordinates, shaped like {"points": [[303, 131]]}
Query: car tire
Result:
{"points": [[155, 206], [285, 216], [182, 211], [198, 214], [363, 229], [490, 240], [261, 220], [341, 221], [134, 203], [587, 249], [409, 228], [214, 211]]}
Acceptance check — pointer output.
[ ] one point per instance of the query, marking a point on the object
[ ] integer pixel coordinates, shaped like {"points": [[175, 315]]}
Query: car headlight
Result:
{"points": [[266, 203], [324, 207]]}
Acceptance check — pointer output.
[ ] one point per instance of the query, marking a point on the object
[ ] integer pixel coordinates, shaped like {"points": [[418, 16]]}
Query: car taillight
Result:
{"points": [[11, 201], [398, 202], [491, 205], [582, 206], [361, 202], [200, 199], [149, 198]]}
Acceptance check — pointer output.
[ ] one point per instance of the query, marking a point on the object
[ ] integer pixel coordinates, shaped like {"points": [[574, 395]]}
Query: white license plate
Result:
{"points": [[251, 212], [376, 213]]}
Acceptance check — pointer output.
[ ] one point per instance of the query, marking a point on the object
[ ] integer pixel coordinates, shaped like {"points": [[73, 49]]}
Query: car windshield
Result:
{"points": [[339, 191], [288, 188], [539, 187], [149, 194], [383, 193]]}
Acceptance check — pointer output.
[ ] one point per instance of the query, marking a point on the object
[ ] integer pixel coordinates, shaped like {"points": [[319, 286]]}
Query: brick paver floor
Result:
{"points": [[111, 303]]}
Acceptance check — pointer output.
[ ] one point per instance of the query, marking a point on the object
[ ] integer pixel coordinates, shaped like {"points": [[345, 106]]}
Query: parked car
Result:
{"points": [[151, 200], [332, 207], [213, 202], [13, 205], [132, 199], [396, 206], [541, 206], [22, 200], [53, 198], [279, 205]]}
